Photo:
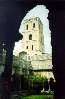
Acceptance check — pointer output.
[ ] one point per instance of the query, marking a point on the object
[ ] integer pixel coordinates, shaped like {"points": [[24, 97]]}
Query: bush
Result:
{"points": [[38, 83]]}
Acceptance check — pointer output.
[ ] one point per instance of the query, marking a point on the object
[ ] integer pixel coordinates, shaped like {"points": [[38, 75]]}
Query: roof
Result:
{"points": [[42, 57]]}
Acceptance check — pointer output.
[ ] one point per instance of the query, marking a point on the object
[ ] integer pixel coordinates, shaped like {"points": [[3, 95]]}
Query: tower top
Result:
{"points": [[32, 19], [33, 40]]}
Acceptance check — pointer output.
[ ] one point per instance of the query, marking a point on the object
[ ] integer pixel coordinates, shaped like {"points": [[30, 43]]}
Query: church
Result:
{"points": [[33, 44]]}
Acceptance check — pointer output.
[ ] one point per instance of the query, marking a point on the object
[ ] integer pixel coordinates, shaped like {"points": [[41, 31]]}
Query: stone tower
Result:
{"points": [[32, 42], [33, 45]]}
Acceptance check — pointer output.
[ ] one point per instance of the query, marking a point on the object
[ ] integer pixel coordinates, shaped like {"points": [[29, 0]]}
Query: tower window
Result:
{"points": [[27, 27], [30, 37], [26, 47], [33, 25], [32, 47]]}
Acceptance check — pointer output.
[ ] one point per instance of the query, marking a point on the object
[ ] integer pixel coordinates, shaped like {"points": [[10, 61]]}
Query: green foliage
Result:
{"points": [[38, 78], [38, 83], [37, 97], [21, 65]]}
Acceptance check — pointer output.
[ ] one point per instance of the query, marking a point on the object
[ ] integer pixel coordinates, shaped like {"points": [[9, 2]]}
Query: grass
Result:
{"points": [[37, 97]]}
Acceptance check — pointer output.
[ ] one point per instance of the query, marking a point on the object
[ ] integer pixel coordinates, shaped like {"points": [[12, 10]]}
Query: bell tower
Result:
{"points": [[33, 38]]}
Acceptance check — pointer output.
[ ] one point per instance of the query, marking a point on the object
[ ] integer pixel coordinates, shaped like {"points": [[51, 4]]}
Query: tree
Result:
{"points": [[25, 65], [22, 69], [15, 64]]}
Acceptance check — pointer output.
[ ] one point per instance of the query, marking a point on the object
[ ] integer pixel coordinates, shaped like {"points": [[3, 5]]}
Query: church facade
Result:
{"points": [[33, 44]]}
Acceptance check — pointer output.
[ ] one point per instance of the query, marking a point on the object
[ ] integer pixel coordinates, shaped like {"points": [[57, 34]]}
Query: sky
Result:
{"points": [[42, 12]]}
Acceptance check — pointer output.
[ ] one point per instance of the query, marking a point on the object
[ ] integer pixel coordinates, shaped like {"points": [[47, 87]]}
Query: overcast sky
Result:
{"points": [[41, 12]]}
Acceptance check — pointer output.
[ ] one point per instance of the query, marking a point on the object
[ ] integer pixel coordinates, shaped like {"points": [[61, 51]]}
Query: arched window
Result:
{"points": [[33, 25], [32, 47], [30, 37], [27, 27], [26, 47]]}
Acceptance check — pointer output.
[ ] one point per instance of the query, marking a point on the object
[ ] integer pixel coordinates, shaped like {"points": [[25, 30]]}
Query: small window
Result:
{"points": [[33, 25], [32, 47], [27, 27], [30, 37], [26, 47]]}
